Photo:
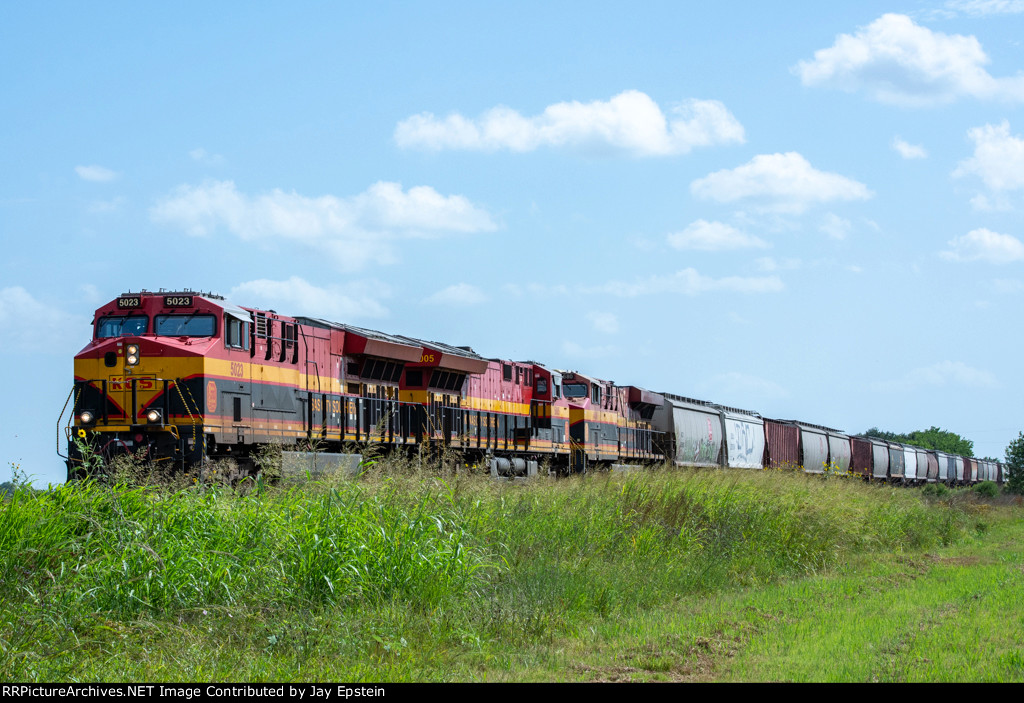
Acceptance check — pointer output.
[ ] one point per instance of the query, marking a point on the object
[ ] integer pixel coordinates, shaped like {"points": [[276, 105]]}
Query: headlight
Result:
{"points": [[86, 417], [132, 354], [153, 416]]}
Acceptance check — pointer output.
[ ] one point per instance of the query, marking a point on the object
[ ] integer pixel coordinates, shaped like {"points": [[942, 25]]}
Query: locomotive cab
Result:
{"points": [[139, 384]]}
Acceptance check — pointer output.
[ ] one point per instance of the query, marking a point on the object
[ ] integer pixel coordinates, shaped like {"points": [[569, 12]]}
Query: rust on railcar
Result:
{"points": [[782, 444], [970, 470], [928, 466], [860, 460]]}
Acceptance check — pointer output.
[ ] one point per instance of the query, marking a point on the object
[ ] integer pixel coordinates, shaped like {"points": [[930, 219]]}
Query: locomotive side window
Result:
{"points": [[185, 325], [595, 396], [290, 341], [122, 325], [236, 333]]}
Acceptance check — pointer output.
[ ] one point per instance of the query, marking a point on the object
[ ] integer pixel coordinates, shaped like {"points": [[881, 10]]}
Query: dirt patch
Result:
{"points": [[917, 567], [607, 674], [960, 561], [682, 658], [701, 669], [692, 660], [955, 561]]}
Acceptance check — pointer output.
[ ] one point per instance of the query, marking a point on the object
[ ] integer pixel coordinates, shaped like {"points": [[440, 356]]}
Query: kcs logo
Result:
{"points": [[142, 383]]}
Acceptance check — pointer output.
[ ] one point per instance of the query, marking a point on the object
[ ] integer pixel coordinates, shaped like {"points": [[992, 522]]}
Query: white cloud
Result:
{"points": [[897, 61], [604, 322], [784, 182], [588, 351], [32, 325], [689, 282], [354, 230], [96, 174], [981, 8], [835, 226], [713, 236], [461, 294], [104, 206], [998, 160], [630, 122], [768, 263], [1007, 285], [296, 296], [535, 289], [207, 159], [908, 151], [90, 293], [684, 282], [944, 373], [985, 245]]}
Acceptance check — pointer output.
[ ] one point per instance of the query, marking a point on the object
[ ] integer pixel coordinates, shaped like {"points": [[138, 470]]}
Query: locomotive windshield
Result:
{"points": [[575, 390], [185, 325], [121, 326]]}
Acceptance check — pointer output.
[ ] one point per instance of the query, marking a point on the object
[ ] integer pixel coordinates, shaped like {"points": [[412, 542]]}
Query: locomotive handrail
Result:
{"points": [[59, 417], [195, 438]]}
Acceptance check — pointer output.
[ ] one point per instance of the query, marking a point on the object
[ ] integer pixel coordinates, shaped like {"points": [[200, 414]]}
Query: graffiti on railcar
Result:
{"points": [[745, 447]]}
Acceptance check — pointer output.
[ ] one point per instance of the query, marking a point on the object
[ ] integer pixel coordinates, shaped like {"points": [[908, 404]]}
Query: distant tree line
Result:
{"points": [[932, 438]]}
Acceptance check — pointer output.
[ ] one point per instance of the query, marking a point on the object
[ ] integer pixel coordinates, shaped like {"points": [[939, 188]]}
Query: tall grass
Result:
{"points": [[462, 564], [125, 550]]}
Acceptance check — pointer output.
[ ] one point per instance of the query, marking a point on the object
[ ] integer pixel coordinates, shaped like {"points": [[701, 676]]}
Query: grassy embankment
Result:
{"points": [[672, 575]]}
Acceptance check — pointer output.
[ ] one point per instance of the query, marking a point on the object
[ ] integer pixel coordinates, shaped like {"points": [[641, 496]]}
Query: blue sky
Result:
{"points": [[810, 210]]}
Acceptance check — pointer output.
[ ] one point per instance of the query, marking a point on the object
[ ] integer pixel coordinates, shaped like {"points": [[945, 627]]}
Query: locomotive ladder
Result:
{"points": [[577, 457]]}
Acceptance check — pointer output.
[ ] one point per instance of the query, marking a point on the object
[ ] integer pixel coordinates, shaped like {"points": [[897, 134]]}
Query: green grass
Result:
{"points": [[660, 575]]}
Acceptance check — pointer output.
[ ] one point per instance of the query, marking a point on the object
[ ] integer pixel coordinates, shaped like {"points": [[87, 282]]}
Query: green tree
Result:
{"points": [[932, 438], [1015, 465]]}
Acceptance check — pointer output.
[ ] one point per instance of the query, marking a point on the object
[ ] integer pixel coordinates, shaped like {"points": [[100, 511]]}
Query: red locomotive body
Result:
{"points": [[181, 377]]}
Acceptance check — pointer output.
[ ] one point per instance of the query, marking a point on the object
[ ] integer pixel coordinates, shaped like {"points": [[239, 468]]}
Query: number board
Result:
{"points": [[177, 301], [129, 302]]}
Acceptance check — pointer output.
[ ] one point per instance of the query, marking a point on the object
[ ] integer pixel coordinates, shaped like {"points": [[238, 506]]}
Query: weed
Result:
{"points": [[268, 460], [91, 462], [988, 489], [935, 490]]}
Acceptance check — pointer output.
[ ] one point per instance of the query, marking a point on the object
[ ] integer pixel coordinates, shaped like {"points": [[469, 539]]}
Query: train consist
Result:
{"points": [[184, 377]]}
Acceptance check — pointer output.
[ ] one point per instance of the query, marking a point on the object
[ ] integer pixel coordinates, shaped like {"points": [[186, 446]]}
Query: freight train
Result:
{"points": [[184, 377]]}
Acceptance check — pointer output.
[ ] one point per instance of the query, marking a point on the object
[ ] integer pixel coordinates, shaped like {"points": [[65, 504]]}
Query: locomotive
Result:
{"points": [[183, 377]]}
